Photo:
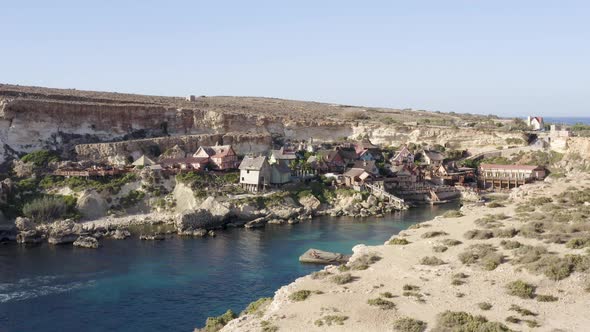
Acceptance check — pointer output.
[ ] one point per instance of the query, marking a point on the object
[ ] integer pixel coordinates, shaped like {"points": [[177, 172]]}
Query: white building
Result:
{"points": [[535, 122], [255, 173]]}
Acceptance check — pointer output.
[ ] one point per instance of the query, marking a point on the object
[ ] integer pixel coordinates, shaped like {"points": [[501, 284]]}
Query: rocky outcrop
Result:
{"points": [[27, 232], [577, 155], [86, 242], [92, 205], [65, 231], [121, 234], [310, 203], [189, 221]]}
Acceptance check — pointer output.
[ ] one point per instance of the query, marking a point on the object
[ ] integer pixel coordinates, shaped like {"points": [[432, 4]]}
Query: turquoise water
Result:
{"points": [[174, 284]]}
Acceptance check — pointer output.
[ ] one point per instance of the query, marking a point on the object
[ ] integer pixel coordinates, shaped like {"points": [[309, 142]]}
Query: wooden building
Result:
{"points": [[508, 176]]}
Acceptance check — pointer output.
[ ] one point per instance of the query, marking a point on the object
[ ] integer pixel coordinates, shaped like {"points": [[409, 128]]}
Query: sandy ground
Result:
{"points": [[400, 266]]}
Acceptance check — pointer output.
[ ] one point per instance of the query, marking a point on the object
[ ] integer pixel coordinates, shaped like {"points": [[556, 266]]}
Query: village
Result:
{"points": [[411, 173]]}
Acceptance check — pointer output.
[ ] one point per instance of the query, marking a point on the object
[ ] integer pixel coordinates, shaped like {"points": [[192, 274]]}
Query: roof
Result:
{"points": [[510, 167], [348, 154], [251, 163], [366, 144], [434, 155], [281, 168], [354, 172], [282, 154], [216, 151], [368, 166], [187, 160], [328, 155], [143, 161]]}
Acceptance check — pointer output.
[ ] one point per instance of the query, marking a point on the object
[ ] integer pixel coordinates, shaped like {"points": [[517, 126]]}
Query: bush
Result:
{"points": [[478, 234], [578, 243], [547, 298], [510, 244], [407, 324], [484, 305], [453, 214], [217, 323], [300, 295], [432, 234], [521, 289], [320, 274], [254, 307], [45, 209], [522, 311], [131, 199], [408, 287], [363, 261], [331, 319], [381, 303], [387, 295], [439, 248], [40, 158], [505, 232], [451, 242], [462, 321], [494, 205], [431, 260], [398, 241], [483, 254], [341, 279]]}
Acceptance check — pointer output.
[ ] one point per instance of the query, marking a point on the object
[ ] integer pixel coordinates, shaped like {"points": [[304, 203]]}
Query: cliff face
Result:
{"points": [[577, 155], [70, 120]]}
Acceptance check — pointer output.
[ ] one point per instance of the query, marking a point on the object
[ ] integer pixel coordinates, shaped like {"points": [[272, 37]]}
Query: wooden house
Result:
{"points": [[403, 156], [221, 157], [280, 174], [433, 158], [255, 173]]}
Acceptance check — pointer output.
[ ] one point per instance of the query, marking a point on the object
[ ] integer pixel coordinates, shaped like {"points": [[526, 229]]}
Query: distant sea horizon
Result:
{"points": [[569, 120]]}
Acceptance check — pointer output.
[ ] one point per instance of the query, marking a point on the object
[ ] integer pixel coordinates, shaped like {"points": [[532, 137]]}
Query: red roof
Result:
{"points": [[510, 167]]}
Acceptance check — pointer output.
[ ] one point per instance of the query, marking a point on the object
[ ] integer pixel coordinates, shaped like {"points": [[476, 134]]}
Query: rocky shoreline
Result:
{"points": [[210, 216]]}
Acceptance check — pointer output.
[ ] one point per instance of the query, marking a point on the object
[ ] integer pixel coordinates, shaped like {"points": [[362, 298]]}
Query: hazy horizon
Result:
{"points": [[503, 58]]}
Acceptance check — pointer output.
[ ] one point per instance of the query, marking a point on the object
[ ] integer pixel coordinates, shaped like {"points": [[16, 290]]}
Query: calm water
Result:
{"points": [[171, 285]]}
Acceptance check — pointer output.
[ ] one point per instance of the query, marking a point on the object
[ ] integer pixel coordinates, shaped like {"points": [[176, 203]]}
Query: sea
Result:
{"points": [[567, 120], [175, 284]]}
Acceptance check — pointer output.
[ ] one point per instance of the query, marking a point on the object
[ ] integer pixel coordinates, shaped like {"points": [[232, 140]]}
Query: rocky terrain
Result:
{"points": [[33, 118], [520, 263]]}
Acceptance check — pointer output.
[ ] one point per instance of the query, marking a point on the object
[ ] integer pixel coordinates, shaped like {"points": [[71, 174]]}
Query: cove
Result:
{"points": [[172, 285]]}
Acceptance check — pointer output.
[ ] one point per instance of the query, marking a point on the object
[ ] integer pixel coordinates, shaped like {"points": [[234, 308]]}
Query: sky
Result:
{"points": [[509, 58]]}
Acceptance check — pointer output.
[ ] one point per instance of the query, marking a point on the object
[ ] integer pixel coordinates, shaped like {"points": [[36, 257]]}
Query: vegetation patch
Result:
{"points": [[300, 295], [256, 306], [546, 298], [462, 321], [407, 324], [484, 255], [387, 295], [49, 208], [453, 214], [478, 234], [268, 326], [398, 241], [505, 232], [510, 244], [214, 324], [450, 242], [320, 274], [578, 243], [521, 289], [522, 311], [331, 320], [381, 303], [439, 248], [364, 261], [491, 220], [431, 260], [485, 306], [432, 234], [341, 279]]}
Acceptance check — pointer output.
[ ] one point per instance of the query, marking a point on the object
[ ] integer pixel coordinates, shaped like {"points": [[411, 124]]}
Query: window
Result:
{"points": [[242, 178], [247, 171]]}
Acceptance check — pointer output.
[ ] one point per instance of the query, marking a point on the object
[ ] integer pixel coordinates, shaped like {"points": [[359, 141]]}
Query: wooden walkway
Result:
{"points": [[377, 191]]}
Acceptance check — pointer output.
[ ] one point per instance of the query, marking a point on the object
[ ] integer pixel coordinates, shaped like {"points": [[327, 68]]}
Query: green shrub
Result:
{"points": [[432, 234], [513, 320], [521, 289], [431, 260], [462, 321], [407, 324], [457, 282], [578, 243], [40, 158], [387, 295], [300, 295], [478, 234], [363, 261], [45, 209], [254, 307], [505, 232], [483, 254], [131, 199], [381, 303], [453, 214], [522, 311], [331, 319], [398, 241], [546, 298], [484, 305], [408, 287], [341, 279], [451, 242], [439, 248], [494, 205], [268, 327], [214, 324], [320, 274], [510, 244]]}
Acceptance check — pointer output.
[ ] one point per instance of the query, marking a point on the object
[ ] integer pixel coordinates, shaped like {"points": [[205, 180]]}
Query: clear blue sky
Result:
{"points": [[503, 57]]}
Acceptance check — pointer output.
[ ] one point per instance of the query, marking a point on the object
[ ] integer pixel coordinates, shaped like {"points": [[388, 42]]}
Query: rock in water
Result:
{"points": [[86, 242], [24, 224], [256, 223], [65, 231], [29, 237], [121, 234], [152, 237]]}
